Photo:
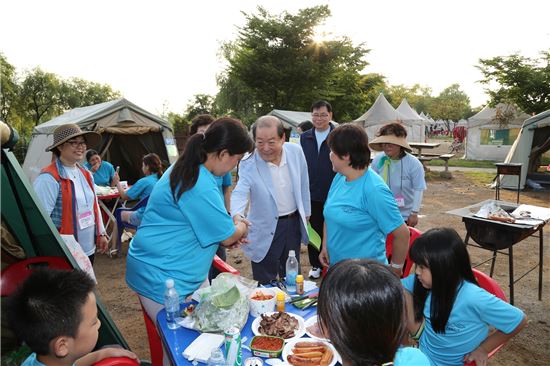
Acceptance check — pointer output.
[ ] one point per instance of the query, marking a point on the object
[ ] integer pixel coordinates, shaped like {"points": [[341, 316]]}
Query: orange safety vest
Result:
{"points": [[68, 212]]}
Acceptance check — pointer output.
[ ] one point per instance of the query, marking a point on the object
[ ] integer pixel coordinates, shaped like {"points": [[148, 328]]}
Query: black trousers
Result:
{"points": [[317, 221], [287, 237]]}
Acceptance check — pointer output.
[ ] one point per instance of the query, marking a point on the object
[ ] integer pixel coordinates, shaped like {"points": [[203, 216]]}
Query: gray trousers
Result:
{"points": [[287, 237]]}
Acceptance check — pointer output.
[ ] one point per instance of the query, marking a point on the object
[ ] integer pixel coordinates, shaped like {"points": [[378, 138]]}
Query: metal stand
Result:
{"points": [[507, 169]]}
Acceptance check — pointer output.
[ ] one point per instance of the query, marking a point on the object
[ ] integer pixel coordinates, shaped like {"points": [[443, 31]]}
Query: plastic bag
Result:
{"points": [[224, 304]]}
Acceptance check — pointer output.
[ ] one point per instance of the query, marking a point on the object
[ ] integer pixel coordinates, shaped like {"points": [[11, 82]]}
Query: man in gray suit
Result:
{"points": [[274, 182]]}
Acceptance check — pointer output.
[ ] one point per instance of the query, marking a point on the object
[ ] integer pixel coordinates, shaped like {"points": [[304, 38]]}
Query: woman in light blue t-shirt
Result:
{"points": [[185, 220], [448, 313], [361, 309]]}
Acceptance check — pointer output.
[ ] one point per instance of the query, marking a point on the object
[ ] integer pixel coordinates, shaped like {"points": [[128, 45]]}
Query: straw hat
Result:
{"points": [[66, 132], [376, 144]]}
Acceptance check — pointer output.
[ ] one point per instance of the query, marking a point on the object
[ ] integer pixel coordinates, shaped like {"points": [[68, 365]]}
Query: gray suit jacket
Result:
{"points": [[255, 187]]}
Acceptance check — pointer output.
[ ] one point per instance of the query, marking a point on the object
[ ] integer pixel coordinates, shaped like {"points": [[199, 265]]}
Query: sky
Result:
{"points": [[161, 53]]}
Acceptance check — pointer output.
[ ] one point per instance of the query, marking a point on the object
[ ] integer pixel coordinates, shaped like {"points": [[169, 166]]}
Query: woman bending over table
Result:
{"points": [[360, 210]]}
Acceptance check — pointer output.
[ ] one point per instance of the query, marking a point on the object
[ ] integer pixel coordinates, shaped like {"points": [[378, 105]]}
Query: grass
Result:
{"points": [[481, 178]]}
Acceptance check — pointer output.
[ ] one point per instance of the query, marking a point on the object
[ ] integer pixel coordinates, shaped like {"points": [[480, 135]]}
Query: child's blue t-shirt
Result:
{"points": [[142, 188], [177, 240], [358, 216], [474, 310], [410, 356], [104, 175], [32, 361]]}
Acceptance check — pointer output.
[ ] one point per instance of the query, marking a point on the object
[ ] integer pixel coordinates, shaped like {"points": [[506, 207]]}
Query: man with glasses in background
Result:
{"points": [[320, 172]]}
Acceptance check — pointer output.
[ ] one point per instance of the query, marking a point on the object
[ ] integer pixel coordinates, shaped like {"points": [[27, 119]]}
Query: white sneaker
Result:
{"points": [[315, 273]]}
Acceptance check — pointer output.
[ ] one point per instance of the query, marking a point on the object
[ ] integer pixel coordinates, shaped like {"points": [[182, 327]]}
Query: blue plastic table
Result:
{"points": [[177, 340]]}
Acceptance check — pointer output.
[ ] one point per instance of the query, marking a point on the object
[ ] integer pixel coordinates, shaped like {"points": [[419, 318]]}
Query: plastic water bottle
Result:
{"points": [[291, 271], [171, 304], [216, 358]]}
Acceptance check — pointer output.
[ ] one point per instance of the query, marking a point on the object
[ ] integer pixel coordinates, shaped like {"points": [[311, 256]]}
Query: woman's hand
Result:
{"points": [[102, 244], [115, 180], [479, 355], [412, 221], [323, 257]]}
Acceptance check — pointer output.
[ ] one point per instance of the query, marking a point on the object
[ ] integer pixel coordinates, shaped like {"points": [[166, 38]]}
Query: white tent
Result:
{"points": [[417, 128], [128, 133], [533, 141], [291, 119], [382, 113], [487, 140]]}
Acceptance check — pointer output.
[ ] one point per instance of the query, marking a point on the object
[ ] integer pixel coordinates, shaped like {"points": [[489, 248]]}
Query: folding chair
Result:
{"points": [[155, 343], [491, 286], [121, 225], [414, 233]]}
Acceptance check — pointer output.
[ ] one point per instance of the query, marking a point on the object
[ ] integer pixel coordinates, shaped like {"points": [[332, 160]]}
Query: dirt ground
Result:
{"points": [[531, 346]]}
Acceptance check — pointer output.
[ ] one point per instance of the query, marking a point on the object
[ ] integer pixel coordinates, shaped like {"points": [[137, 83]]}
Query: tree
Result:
{"points": [[520, 80], [9, 91], [275, 63], [40, 95], [77, 92], [451, 104], [202, 104]]}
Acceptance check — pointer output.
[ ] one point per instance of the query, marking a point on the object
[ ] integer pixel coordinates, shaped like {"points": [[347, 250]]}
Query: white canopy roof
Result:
{"points": [[381, 112], [489, 116]]}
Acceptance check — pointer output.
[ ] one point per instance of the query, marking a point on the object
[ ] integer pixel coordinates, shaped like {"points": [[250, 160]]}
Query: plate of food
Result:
{"points": [[310, 352], [313, 329], [285, 325]]}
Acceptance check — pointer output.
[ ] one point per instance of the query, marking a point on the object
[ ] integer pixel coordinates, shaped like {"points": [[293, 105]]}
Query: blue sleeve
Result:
{"points": [[408, 282], [137, 189], [497, 313], [383, 207], [88, 166], [207, 203], [227, 180], [47, 190]]}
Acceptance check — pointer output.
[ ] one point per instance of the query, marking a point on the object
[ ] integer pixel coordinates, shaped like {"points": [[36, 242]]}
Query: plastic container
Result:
{"points": [[258, 305], [171, 304], [291, 271], [280, 304], [272, 352], [300, 285], [216, 358]]}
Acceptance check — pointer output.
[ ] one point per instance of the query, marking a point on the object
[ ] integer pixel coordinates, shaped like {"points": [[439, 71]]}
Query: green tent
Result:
{"points": [[34, 231]]}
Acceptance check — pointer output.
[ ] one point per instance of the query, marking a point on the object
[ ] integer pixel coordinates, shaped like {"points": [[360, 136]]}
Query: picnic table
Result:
{"points": [[419, 146]]}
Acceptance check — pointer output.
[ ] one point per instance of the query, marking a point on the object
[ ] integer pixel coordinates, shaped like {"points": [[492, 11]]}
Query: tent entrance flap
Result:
{"points": [[127, 152]]}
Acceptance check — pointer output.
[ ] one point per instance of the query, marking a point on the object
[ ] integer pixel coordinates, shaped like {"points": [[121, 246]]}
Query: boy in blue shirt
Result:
{"points": [[55, 313]]}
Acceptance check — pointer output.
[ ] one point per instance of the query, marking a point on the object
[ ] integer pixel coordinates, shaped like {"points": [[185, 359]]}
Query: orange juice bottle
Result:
{"points": [[280, 305]]}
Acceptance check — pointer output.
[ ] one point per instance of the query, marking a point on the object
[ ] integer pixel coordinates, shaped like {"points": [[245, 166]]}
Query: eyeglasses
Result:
{"points": [[317, 115], [76, 143]]}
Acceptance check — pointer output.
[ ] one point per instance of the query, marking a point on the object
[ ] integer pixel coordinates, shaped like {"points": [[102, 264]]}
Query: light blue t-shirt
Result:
{"points": [[104, 175], [474, 310], [142, 189], [224, 181], [410, 356], [177, 240], [321, 136], [32, 361], [359, 215]]}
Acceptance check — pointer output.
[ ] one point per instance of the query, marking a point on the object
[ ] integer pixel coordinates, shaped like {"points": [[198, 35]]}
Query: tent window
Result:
{"points": [[498, 137]]}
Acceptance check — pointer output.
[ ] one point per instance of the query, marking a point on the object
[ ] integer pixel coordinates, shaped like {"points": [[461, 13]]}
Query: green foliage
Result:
{"points": [[9, 91], [40, 95], [179, 123], [275, 64], [450, 104], [202, 104], [77, 92], [522, 81]]}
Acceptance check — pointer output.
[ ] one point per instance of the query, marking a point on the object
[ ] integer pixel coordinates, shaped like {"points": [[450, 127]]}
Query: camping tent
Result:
{"points": [[417, 128], [128, 133], [291, 119], [381, 113], [487, 139], [533, 141]]}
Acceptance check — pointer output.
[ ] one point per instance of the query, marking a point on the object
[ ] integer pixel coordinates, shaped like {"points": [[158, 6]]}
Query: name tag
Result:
{"points": [[400, 200], [85, 220]]}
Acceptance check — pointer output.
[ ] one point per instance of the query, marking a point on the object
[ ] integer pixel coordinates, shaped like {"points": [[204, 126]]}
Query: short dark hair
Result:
{"points": [[352, 140], [306, 125], [90, 153], [268, 121], [394, 128], [199, 121], [445, 254], [362, 310], [154, 164], [49, 305], [319, 104]]}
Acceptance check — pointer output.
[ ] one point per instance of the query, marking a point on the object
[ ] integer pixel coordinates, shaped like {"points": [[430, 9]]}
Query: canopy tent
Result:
{"points": [[532, 142], [382, 113], [128, 133], [418, 127], [486, 138], [291, 119]]}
